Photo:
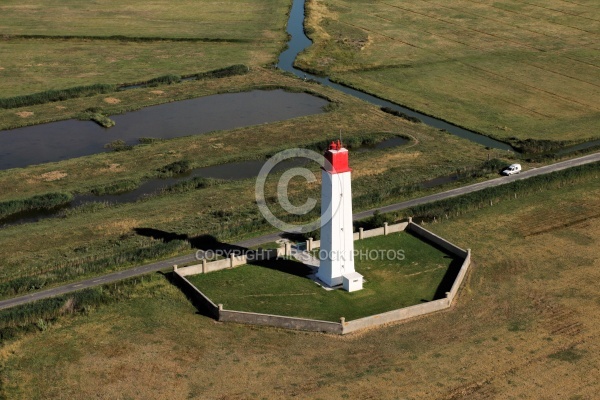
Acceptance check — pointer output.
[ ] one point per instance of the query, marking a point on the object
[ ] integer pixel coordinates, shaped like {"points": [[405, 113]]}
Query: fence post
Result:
{"points": [[310, 244], [175, 267], [385, 228], [204, 265], [231, 256], [360, 233]]}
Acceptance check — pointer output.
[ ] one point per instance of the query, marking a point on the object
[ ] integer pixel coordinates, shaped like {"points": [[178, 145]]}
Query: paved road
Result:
{"points": [[483, 185], [117, 276], [157, 266]]}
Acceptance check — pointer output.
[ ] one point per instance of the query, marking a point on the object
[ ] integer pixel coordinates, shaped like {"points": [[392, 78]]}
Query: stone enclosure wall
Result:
{"points": [[342, 327], [233, 261], [196, 296]]}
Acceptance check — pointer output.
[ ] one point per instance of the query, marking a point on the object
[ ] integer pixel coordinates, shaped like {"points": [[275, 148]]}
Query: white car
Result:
{"points": [[512, 169]]}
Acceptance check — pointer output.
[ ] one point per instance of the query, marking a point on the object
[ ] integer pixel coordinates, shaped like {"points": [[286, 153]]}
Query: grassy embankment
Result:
{"points": [[67, 43], [394, 280], [511, 70], [525, 325]]}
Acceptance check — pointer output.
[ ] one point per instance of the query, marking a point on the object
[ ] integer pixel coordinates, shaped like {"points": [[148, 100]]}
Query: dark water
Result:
{"points": [[299, 41], [31, 216], [246, 169], [147, 188], [230, 171], [385, 144], [250, 169], [581, 146], [62, 140]]}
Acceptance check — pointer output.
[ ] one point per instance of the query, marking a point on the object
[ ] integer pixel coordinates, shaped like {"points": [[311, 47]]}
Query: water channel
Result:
{"points": [[299, 41], [67, 139], [229, 171]]}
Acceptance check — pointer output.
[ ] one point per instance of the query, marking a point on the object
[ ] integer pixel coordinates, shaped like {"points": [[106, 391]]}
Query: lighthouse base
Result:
{"points": [[350, 282], [330, 282]]}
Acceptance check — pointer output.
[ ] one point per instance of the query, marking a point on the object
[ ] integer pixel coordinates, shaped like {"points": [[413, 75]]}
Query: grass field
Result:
{"points": [[60, 44], [281, 287], [227, 211], [526, 325], [509, 69]]}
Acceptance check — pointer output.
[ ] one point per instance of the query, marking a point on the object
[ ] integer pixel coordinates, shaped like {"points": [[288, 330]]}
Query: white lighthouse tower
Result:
{"points": [[337, 233]]}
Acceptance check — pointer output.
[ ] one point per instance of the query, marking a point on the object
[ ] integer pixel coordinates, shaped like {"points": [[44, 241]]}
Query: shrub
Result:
{"points": [[149, 140], [175, 168], [46, 201], [350, 142], [55, 95], [238, 69], [94, 114], [115, 187], [376, 221], [171, 78], [536, 146], [118, 145], [90, 207], [163, 80], [400, 114], [191, 184], [102, 120]]}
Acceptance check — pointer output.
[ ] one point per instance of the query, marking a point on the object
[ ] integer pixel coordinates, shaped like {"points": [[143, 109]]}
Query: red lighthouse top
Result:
{"points": [[338, 158]]}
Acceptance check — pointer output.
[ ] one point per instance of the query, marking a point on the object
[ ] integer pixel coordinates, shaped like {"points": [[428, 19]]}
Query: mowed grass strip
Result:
{"points": [[400, 270], [509, 69]]}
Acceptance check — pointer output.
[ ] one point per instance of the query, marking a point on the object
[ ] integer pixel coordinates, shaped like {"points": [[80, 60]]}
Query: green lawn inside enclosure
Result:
{"points": [[400, 270], [66, 43], [511, 69]]}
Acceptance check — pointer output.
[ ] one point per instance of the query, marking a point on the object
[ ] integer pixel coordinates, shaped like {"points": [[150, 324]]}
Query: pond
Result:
{"points": [[62, 140]]}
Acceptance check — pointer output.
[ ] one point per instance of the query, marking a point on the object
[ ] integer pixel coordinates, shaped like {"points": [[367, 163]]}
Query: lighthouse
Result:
{"points": [[337, 233]]}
